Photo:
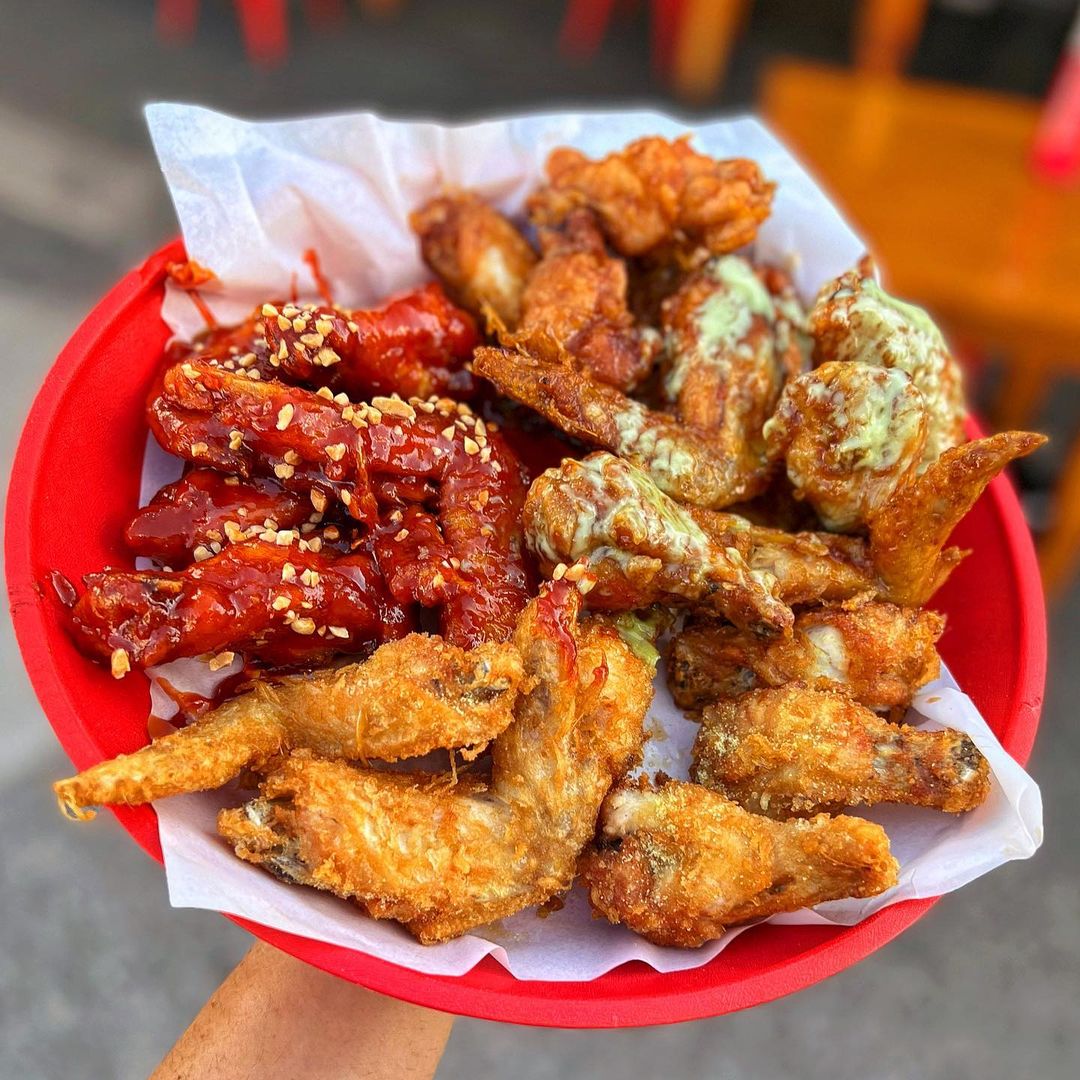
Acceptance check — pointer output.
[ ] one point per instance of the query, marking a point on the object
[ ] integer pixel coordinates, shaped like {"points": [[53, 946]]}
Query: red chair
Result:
{"points": [[264, 24]]}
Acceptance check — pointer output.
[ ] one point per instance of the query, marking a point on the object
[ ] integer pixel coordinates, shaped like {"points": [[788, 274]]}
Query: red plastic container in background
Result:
{"points": [[74, 483]]}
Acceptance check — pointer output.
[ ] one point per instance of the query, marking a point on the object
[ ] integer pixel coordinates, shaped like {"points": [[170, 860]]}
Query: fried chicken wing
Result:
{"points": [[409, 697], [854, 318], [685, 462], [207, 508], [809, 567], [477, 252], [641, 547], [731, 343], [282, 603], [908, 536], [575, 301], [333, 449], [415, 345], [444, 859], [679, 864], [849, 435], [656, 191], [878, 654], [243, 344], [795, 750], [905, 560]]}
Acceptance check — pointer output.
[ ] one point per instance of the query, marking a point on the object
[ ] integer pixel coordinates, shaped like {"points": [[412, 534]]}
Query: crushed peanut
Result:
{"points": [[119, 663]]}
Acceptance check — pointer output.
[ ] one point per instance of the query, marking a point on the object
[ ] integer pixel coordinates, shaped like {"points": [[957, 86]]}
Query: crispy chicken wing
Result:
{"points": [[679, 864], [685, 462], [908, 536], [849, 435], [207, 508], [655, 191], [878, 654], [444, 859], [642, 547], [415, 345], [795, 750], [809, 567], [905, 559], [731, 342], [575, 301], [282, 603], [243, 344], [409, 697], [477, 252], [854, 318]]}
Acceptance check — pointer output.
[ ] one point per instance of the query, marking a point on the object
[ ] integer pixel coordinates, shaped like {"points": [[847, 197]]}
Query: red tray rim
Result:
{"points": [[631, 995]]}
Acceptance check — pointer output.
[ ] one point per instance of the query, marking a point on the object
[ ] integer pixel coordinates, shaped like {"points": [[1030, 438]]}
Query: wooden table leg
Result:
{"points": [[1059, 552], [704, 36], [1023, 389]]}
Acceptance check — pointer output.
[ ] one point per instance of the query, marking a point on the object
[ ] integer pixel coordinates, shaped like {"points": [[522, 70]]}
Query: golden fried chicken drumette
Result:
{"points": [[795, 750], [877, 653], [411, 696], [680, 864]]}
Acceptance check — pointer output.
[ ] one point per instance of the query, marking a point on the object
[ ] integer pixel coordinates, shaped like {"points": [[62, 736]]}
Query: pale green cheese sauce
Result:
{"points": [[723, 319]]}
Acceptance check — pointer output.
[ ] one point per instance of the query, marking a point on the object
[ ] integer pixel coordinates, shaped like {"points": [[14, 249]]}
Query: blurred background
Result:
{"points": [[950, 134]]}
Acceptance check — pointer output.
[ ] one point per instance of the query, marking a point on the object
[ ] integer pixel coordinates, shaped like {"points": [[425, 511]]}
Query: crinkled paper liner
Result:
{"points": [[251, 198]]}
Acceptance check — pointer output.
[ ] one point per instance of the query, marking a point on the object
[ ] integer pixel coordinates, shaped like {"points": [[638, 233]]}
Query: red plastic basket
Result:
{"points": [[76, 479]]}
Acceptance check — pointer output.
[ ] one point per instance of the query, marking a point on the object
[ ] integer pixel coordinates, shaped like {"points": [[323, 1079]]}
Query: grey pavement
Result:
{"points": [[98, 976]]}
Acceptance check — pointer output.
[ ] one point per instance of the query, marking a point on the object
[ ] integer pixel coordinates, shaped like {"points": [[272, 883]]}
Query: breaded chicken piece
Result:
{"points": [[908, 536], [809, 567], [481, 257], [679, 864], [848, 434], [795, 750], [905, 559], [257, 596], [206, 507], [878, 654], [444, 859], [730, 344], [685, 462], [575, 301], [642, 547], [411, 696], [657, 191], [855, 319]]}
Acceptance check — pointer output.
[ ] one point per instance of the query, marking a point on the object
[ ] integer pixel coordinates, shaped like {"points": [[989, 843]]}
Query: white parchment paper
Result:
{"points": [[251, 197]]}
